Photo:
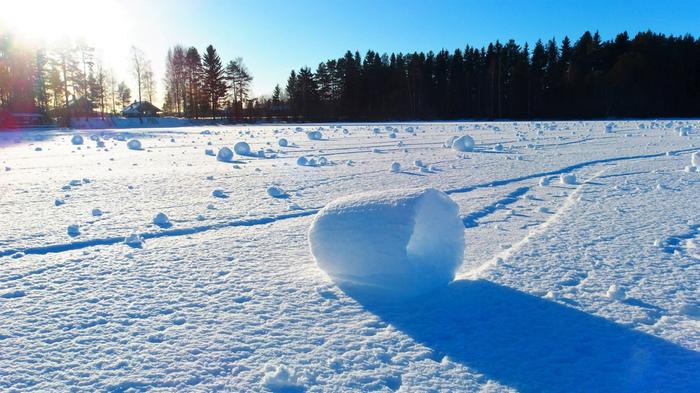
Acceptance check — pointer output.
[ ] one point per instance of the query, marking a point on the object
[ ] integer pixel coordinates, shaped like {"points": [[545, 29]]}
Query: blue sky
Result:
{"points": [[275, 36]]}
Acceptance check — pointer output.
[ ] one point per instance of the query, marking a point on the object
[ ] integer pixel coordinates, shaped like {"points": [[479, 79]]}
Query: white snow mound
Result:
{"points": [[463, 143], [567, 178], [389, 244]]}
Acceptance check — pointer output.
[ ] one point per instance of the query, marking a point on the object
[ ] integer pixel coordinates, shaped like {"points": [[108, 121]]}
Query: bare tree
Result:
{"points": [[149, 81], [138, 62]]}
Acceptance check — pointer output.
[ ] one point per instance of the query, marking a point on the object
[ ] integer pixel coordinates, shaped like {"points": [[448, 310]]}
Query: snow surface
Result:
{"points": [[229, 298]]}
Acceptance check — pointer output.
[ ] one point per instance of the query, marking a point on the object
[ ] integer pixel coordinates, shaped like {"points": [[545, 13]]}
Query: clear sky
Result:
{"points": [[275, 36]]}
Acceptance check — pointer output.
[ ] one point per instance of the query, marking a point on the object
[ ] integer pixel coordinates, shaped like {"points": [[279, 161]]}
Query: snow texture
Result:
{"points": [[230, 298]]}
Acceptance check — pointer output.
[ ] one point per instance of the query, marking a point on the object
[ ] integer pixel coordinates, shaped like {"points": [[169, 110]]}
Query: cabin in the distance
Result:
{"points": [[141, 108]]}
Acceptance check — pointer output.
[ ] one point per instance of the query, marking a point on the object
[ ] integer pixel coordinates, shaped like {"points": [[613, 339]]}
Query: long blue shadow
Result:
{"points": [[535, 345]]}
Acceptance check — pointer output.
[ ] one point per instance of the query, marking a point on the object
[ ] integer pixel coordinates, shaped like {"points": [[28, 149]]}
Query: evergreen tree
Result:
{"points": [[214, 82]]}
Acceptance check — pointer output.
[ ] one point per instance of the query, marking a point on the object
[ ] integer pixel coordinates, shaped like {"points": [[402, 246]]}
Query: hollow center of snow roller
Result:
{"points": [[391, 244]]}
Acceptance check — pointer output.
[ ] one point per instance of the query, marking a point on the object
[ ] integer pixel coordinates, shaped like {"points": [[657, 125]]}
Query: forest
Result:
{"points": [[650, 75]]}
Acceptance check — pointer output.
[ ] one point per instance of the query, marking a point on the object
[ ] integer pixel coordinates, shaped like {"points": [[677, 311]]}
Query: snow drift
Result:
{"points": [[390, 244]]}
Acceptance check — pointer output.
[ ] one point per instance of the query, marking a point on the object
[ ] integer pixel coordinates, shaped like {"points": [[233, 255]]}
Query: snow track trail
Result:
{"points": [[532, 233], [108, 241]]}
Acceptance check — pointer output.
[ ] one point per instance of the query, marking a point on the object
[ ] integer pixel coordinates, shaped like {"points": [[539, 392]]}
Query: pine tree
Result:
{"points": [[214, 78]]}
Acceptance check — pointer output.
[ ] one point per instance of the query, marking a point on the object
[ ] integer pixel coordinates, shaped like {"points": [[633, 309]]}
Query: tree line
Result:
{"points": [[650, 75], [200, 85], [51, 81]]}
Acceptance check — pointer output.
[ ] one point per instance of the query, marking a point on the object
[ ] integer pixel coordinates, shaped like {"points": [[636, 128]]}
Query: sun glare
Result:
{"points": [[96, 22]]}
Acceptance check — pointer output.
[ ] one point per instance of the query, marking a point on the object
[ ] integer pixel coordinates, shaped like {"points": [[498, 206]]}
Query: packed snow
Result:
{"points": [[390, 244], [550, 257]]}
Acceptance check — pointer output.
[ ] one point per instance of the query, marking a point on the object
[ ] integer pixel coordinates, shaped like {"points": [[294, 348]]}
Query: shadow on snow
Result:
{"points": [[535, 345]]}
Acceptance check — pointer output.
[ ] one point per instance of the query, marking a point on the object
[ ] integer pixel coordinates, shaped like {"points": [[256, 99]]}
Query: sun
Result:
{"points": [[95, 22]]}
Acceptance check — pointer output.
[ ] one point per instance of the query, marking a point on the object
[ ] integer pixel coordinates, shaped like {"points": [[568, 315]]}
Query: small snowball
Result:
{"points": [[282, 142], [464, 143], [276, 192], [58, 202], [615, 293], [281, 379], [242, 148], [219, 193], [567, 178], [225, 154], [302, 161], [162, 220], [418, 163], [76, 140], [134, 144], [134, 240], [395, 167], [73, 230], [96, 212], [314, 135], [498, 147], [695, 159], [209, 152]]}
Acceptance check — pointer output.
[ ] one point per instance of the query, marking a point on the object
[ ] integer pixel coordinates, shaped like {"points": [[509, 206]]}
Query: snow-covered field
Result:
{"points": [[579, 283]]}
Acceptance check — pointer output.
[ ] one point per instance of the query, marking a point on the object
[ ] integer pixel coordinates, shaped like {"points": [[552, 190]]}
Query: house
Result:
{"points": [[141, 108], [82, 107]]}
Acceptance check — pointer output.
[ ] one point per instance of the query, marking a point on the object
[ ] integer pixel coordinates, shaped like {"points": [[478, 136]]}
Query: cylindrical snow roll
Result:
{"points": [[390, 244]]}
